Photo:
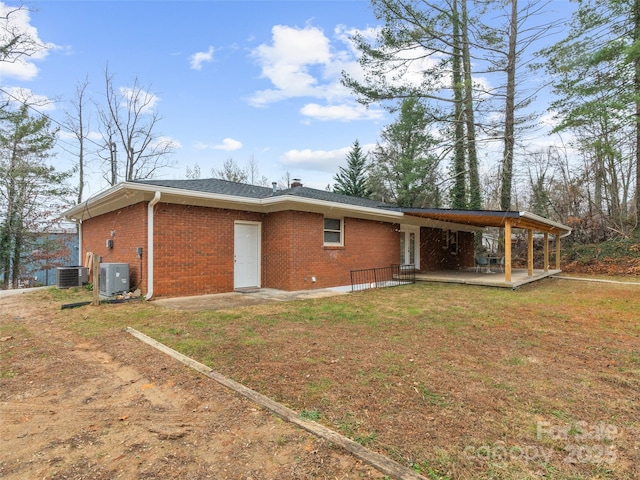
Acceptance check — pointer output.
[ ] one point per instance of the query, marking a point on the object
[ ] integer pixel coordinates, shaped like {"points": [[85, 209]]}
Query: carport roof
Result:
{"points": [[490, 218]]}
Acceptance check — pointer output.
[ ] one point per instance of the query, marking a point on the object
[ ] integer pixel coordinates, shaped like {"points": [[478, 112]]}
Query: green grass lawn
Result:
{"points": [[451, 380]]}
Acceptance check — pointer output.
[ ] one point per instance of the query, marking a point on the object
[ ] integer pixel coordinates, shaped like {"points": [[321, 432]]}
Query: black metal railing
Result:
{"points": [[381, 277]]}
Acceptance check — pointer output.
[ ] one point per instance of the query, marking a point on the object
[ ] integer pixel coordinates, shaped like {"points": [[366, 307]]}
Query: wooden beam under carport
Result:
{"points": [[507, 250], [530, 252], [546, 252]]}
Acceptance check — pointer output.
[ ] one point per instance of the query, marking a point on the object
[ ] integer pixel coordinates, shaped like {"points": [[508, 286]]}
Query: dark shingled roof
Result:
{"points": [[225, 187], [213, 185]]}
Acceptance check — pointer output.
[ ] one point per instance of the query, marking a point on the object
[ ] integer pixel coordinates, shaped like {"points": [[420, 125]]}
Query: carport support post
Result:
{"points": [[507, 250], [96, 280], [546, 252], [558, 252], [530, 252]]}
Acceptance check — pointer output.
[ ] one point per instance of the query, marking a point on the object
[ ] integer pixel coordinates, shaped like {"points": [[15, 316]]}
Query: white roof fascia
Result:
{"points": [[439, 224], [276, 203], [324, 206], [546, 221], [265, 205]]}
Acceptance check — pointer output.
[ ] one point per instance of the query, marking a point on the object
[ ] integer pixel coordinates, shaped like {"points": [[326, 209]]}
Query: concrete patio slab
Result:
{"points": [[519, 277], [244, 298]]}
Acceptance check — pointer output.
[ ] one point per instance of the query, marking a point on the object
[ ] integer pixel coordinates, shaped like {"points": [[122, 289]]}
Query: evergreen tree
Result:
{"points": [[405, 169], [352, 180], [597, 79], [422, 43], [32, 193]]}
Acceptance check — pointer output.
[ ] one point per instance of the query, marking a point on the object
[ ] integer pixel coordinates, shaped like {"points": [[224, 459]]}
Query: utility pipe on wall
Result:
{"points": [[152, 203]]}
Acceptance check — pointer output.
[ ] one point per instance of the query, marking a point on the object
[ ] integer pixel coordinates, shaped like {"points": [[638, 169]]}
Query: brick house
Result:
{"points": [[194, 237]]}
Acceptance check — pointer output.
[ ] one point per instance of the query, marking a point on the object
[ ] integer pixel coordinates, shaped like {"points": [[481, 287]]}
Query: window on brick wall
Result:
{"points": [[333, 231]]}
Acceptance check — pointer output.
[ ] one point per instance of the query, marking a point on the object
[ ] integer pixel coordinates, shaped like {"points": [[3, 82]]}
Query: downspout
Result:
{"points": [[79, 227], [152, 203]]}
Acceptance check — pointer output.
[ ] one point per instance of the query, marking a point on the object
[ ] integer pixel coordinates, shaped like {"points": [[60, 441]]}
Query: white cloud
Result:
{"points": [[318, 160], [24, 95], [13, 21], [550, 119], [140, 99], [198, 58], [19, 70], [164, 141], [302, 62], [287, 62], [305, 63], [93, 135], [344, 112], [228, 145]]}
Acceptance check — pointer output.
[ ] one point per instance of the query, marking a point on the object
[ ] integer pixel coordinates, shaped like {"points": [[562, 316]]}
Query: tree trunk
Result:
{"points": [[5, 256], [8, 237], [17, 261], [459, 193], [509, 114], [636, 87], [475, 197]]}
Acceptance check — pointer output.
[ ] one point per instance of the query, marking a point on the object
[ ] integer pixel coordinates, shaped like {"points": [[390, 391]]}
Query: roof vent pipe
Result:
{"points": [[274, 185]]}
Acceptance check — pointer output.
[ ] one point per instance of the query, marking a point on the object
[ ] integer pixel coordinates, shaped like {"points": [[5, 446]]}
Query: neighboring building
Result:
{"points": [[62, 251], [50, 250], [193, 237]]}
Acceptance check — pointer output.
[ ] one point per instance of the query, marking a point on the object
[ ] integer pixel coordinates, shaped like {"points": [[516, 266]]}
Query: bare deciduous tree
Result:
{"points": [[129, 120], [235, 173], [78, 123], [254, 175], [193, 173], [231, 171]]}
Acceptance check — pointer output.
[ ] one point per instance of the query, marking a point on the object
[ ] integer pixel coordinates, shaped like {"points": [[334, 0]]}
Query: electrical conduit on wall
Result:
{"points": [[152, 203]]}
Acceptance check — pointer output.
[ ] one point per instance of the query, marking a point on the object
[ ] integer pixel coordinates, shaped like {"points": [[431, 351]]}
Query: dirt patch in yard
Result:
{"points": [[453, 381], [73, 408]]}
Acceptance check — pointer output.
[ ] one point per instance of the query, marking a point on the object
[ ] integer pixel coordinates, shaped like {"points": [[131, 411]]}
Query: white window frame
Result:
{"points": [[341, 232], [405, 230], [450, 237]]}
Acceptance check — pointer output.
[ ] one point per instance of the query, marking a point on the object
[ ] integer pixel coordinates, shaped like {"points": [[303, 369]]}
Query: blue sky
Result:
{"points": [[233, 79]]}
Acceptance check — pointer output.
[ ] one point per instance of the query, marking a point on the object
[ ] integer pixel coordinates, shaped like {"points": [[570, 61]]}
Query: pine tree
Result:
{"points": [[597, 80], [352, 180], [405, 168], [32, 193]]}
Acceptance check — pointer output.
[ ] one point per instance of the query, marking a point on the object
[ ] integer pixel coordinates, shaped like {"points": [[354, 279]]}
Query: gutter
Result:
{"points": [[152, 203], [263, 205], [546, 221]]}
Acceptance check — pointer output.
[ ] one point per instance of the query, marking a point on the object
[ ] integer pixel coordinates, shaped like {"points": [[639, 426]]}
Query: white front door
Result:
{"points": [[246, 255], [410, 245]]}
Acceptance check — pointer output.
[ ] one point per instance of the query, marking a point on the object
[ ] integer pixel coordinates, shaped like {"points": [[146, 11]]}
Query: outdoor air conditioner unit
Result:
{"points": [[114, 278], [67, 277]]}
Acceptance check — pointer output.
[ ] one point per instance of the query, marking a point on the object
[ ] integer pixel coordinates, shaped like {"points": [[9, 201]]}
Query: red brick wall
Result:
{"points": [[129, 227], [277, 247], [466, 250], [194, 249], [367, 244], [434, 257]]}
